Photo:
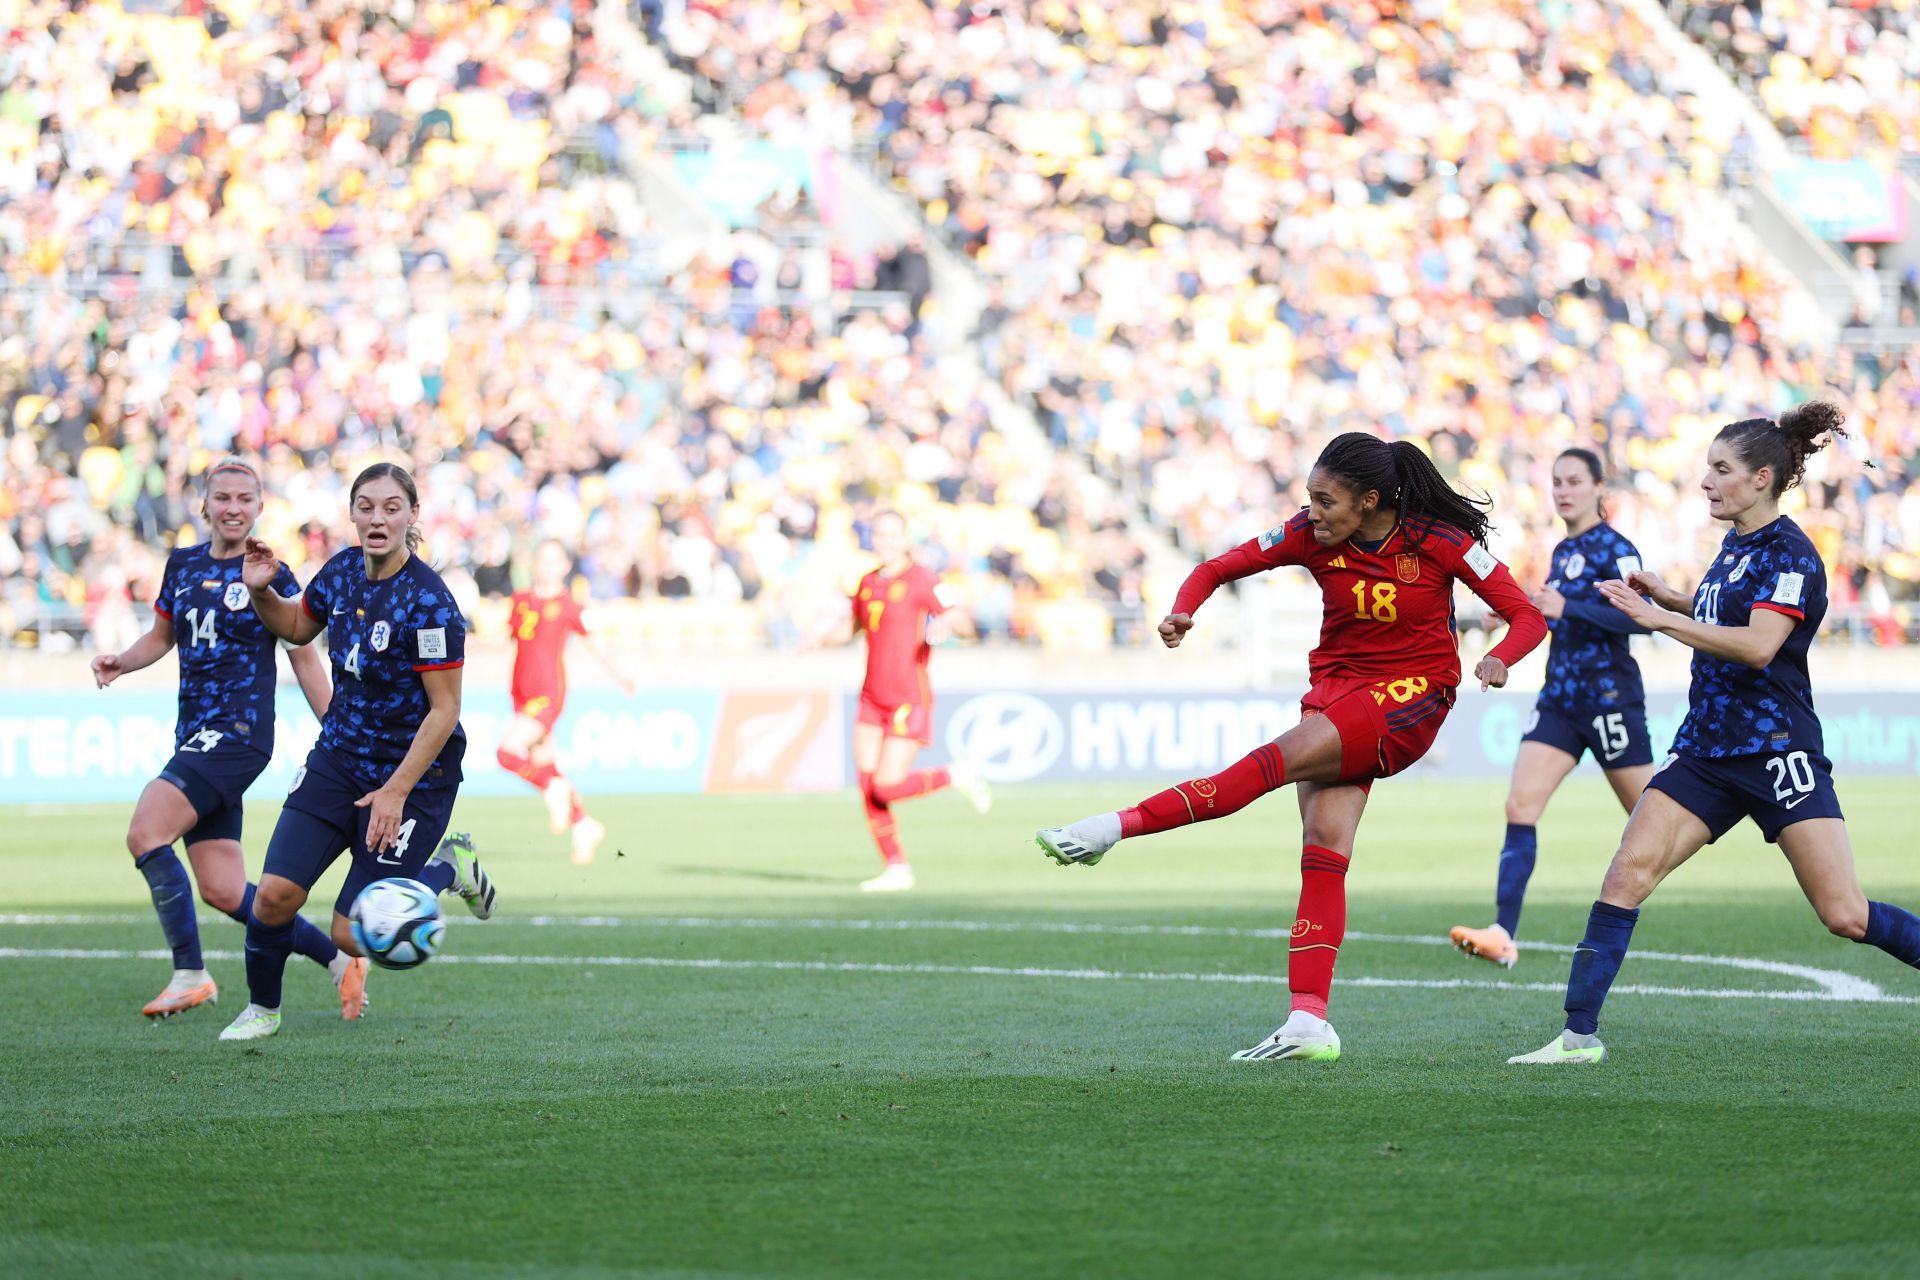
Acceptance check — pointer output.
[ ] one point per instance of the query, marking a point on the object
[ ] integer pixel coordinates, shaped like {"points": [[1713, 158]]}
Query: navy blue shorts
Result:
{"points": [[319, 822], [213, 770], [1776, 791], [1618, 739]]}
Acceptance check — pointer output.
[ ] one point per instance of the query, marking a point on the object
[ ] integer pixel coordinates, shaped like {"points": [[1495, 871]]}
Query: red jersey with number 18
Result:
{"points": [[1388, 611], [892, 614]]}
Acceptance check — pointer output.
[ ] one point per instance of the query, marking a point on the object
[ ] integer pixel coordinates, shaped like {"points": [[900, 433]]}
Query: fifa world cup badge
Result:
{"points": [[1407, 568]]}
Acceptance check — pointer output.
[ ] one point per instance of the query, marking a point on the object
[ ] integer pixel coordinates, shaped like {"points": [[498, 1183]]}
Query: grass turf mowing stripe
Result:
{"points": [[1006, 971], [1835, 983]]}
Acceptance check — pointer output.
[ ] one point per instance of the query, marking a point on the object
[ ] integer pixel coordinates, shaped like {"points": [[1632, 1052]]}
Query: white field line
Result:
{"points": [[1834, 983], [998, 971]]}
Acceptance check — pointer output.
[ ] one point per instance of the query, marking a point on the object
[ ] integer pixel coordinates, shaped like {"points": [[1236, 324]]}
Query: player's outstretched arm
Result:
{"points": [[1650, 584], [142, 653], [284, 617], [1174, 628], [1526, 627], [310, 669], [605, 659], [1755, 643], [390, 800]]}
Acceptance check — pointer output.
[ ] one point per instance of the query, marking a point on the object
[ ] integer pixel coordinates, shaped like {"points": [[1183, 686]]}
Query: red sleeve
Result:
{"points": [[1287, 544], [930, 594], [1526, 626], [579, 619], [1780, 608]]}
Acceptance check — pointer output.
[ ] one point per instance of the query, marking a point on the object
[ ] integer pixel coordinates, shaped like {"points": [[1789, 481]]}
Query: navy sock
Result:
{"points": [[1596, 962], [268, 947], [308, 938], [1516, 868], [437, 876], [173, 903], [1895, 931]]}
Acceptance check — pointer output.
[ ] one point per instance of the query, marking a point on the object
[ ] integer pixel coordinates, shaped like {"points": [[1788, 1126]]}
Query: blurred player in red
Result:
{"points": [[1386, 538], [541, 620], [898, 608]]}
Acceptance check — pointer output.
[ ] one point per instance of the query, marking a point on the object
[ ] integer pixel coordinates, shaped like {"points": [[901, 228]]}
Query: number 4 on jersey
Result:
{"points": [[351, 663]]}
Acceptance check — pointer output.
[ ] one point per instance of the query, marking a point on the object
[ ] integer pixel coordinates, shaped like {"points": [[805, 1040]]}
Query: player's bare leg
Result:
{"points": [[1308, 752], [1329, 816]]}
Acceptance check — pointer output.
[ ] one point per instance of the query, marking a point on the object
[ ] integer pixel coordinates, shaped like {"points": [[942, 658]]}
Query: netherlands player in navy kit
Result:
{"points": [[381, 781], [1591, 701], [1750, 746], [223, 739]]}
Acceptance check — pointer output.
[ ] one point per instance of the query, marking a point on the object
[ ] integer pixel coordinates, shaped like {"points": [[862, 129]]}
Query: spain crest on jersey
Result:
{"points": [[1407, 568]]}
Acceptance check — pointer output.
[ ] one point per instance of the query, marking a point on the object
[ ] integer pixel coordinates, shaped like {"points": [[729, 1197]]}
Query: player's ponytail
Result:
{"points": [[399, 475], [1426, 495], [1786, 444], [1406, 480]]}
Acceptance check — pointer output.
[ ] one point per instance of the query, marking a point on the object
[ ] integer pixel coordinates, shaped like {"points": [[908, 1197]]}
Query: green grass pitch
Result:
{"points": [[740, 1067]]}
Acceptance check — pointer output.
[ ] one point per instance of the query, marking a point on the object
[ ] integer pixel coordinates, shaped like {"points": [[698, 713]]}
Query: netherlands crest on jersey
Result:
{"points": [[378, 637], [236, 596], [1740, 570], [1407, 568], [1576, 565]]}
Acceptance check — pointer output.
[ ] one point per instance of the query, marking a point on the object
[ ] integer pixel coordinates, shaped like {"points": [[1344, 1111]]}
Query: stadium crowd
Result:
{"points": [[1844, 76], [315, 233], [1220, 233], [1215, 235]]}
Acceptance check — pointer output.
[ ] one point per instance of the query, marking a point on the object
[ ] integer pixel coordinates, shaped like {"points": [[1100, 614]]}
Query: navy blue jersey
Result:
{"points": [[380, 637], [1733, 709], [226, 652], [1589, 667]]}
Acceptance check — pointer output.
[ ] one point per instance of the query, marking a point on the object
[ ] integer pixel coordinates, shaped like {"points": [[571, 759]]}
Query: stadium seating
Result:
{"points": [[1223, 232]]}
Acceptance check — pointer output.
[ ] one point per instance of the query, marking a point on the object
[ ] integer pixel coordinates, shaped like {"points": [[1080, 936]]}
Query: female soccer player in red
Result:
{"points": [[542, 620], [1386, 538], [898, 609]]}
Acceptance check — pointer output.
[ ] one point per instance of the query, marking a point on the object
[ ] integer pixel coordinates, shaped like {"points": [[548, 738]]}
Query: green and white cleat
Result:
{"points": [[1567, 1047], [1301, 1038], [967, 781], [470, 879], [1084, 842], [254, 1023]]}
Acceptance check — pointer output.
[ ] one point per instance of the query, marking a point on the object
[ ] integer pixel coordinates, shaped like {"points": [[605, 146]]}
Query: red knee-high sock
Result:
{"points": [[880, 822], [1318, 929], [921, 782], [1203, 799], [540, 775]]}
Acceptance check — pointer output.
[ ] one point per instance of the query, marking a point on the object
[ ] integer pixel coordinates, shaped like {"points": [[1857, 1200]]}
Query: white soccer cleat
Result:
{"points": [[1301, 1038], [967, 781], [1084, 842], [897, 878], [254, 1023], [559, 795], [587, 835], [1563, 1050], [470, 880]]}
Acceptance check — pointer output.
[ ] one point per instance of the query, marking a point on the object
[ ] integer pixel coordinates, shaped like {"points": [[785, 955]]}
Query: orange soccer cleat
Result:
{"points": [[182, 996], [353, 989], [1491, 943]]}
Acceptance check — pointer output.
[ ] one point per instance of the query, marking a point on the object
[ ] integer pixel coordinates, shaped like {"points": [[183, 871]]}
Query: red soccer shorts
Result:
{"points": [[1385, 725], [542, 708], [905, 720]]}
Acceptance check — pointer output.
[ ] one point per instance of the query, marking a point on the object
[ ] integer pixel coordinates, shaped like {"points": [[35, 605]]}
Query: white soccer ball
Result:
{"points": [[397, 923]]}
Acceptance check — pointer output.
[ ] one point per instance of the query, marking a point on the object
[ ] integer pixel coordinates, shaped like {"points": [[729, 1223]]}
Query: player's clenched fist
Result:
{"points": [[106, 668], [1174, 628]]}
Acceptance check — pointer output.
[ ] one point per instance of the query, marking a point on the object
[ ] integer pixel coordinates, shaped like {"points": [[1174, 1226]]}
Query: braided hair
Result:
{"points": [[1786, 444], [1406, 480]]}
